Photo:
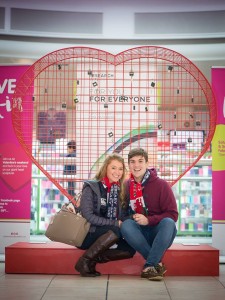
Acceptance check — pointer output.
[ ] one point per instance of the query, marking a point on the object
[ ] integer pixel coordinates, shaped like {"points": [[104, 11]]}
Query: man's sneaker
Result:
{"points": [[161, 269], [151, 274]]}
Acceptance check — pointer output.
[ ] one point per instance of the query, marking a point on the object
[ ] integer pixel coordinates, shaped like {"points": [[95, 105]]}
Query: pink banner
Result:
{"points": [[218, 147], [218, 84], [15, 167]]}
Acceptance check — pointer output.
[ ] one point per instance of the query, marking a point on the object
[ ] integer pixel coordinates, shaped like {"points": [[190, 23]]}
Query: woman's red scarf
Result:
{"points": [[136, 198], [105, 181]]}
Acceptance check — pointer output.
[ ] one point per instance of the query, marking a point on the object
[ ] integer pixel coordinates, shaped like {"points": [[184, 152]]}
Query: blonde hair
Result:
{"points": [[103, 171]]}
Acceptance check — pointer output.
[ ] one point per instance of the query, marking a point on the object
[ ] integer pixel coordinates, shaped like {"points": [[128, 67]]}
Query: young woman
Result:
{"points": [[103, 205]]}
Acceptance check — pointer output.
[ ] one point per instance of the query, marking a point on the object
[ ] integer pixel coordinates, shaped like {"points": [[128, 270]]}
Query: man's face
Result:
{"points": [[70, 149], [138, 166]]}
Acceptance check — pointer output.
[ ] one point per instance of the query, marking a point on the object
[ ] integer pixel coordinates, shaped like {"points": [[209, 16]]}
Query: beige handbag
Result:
{"points": [[68, 227]]}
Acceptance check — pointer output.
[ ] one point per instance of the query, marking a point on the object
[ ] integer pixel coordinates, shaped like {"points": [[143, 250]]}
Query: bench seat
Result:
{"points": [[58, 258]]}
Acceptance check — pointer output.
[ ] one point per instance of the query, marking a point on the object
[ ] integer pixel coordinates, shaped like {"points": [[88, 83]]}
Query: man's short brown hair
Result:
{"points": [[137, 152]]}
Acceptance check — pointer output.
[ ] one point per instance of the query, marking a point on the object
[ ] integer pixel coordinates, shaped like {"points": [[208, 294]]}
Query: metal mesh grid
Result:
{"points": [[149, 97]]}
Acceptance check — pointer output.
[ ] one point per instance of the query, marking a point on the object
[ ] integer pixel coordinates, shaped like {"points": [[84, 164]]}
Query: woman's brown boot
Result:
{"points": [[92, 269], [113, 254], [96, 249]]}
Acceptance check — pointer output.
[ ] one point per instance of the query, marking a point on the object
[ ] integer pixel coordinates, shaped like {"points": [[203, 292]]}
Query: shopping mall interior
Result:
{"points": [[193, 32]]}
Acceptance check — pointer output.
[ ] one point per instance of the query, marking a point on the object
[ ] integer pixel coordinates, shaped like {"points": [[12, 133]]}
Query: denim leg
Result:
{"points": [[134, 235], [161, 238]]}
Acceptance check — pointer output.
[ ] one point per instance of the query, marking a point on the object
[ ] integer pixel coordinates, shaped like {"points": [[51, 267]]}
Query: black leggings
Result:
{"points": [[100, 230]]}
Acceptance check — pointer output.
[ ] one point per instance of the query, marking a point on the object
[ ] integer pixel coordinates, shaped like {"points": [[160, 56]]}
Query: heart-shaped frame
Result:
{"points": [[150, 97]]}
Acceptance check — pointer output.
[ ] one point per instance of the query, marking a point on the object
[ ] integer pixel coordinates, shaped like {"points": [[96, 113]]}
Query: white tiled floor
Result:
{"points": [[113, 287]]}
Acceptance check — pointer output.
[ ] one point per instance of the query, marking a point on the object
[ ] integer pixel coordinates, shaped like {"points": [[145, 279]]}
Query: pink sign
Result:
{"points": [[218, 80], [15, 167], [218, 147]]}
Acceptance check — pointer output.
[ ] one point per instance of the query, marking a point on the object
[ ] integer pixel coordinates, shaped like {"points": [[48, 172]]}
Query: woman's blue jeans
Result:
{"points": [[150, 241]]}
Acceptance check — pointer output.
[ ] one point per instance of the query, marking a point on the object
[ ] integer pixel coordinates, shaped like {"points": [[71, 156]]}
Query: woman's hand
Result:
{"points": [[140, 219], [71, 208], [120, 223]]}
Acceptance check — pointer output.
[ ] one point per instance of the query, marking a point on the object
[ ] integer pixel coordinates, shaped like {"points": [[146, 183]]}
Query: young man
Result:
{"points": [[152, 229]]}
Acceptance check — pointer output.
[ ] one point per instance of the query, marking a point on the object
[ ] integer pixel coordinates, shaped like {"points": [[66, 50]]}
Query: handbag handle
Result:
{"points": [[76, 199]]}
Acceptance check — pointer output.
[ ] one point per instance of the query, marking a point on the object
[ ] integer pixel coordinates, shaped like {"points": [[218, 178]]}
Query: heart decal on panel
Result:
{"points": [[149, 97]]}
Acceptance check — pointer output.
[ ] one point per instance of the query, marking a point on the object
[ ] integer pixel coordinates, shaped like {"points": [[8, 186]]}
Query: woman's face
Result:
{"points": [[114, 171]]}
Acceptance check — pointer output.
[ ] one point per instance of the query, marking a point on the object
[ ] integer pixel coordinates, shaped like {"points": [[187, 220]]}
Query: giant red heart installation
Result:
{"points": [[151, 97]]}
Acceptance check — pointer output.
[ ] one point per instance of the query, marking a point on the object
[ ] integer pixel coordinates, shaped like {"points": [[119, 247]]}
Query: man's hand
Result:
{"points": [[140, 219]]}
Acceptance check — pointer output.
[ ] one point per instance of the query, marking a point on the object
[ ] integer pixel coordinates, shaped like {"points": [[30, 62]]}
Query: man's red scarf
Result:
{"points": [[136, 198]]}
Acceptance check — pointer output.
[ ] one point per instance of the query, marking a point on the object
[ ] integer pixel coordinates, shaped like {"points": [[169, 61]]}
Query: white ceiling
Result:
{"points": [[140, 5], [118, 29]]}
